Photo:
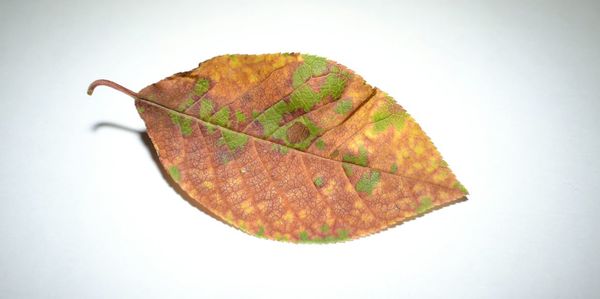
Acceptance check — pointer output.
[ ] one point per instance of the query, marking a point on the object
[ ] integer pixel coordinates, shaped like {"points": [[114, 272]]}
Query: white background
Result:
{"points": [[509, 91]]}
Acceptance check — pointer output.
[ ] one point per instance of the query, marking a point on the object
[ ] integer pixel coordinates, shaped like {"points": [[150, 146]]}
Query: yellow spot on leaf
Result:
{"points": [[419, 149], [371, 134], [367, 217], [208, 185], [234, 61], [329, 189], [440, 176], [234, 182], [433, 165], [246, 205], [399, 161], [418, 187], [229, 216], [242, 224], [279, 62], [302, 214], [358, 205], [329, 217], [405, 153], [289, 216], [350, 188], [443, 195]]}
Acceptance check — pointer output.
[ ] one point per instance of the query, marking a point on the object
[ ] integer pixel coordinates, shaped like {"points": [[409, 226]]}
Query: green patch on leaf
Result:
{"points": [[174, 173], [255, 114], [303, 98], [368, 181], [341, 236], [261, 231], [221, 118], [184, 123], [394, 168], [424, 205], [301, 74], [460, 187], [348, 168], [388, 116], [271, 118], [185, 105], [206, 109], [240, 116], [312, 66], [303, 236], [343, 106], [318, 181], [382, 121], [360, 159], [317, 64], [282, 149], [201, 87], [140, 109], [320, 144], [334, 86], [210, 128], [234, 140]]}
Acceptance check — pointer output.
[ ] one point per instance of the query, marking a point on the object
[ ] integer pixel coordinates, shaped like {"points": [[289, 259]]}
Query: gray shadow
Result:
{"points": [[145, 138]]}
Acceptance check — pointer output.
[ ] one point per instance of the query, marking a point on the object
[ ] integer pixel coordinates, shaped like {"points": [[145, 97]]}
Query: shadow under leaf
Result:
{"points": [[145, 138]]}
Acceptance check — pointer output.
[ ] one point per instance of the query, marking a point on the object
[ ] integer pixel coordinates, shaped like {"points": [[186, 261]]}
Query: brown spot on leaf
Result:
{"points": [[297, 132]]}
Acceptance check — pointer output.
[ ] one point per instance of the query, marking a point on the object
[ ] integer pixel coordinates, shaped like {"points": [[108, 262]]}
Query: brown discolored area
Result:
{"points": [[297, 132], [371, 169]]}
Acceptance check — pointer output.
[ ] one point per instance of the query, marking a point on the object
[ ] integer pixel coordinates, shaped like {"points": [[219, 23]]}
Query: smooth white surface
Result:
{"points": [[509, 91]]}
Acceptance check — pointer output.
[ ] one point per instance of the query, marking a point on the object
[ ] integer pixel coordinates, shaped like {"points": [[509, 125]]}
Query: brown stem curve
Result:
{"points": [[113, 85], [130, 93]]}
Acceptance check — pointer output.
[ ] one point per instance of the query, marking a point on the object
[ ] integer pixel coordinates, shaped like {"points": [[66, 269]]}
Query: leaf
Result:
{"points": [[293, 147]]}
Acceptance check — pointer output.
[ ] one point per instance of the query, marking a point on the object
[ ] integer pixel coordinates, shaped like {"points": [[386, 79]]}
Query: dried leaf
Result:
{"points": [[293, 147]]}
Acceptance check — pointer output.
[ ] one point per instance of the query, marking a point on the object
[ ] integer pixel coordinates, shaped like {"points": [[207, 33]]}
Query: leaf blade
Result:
{"points": [[379, 190]]}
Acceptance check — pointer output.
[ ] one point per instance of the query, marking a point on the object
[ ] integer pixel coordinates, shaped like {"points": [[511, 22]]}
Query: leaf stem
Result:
{"points": [[111, 85], [130, 93]]}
